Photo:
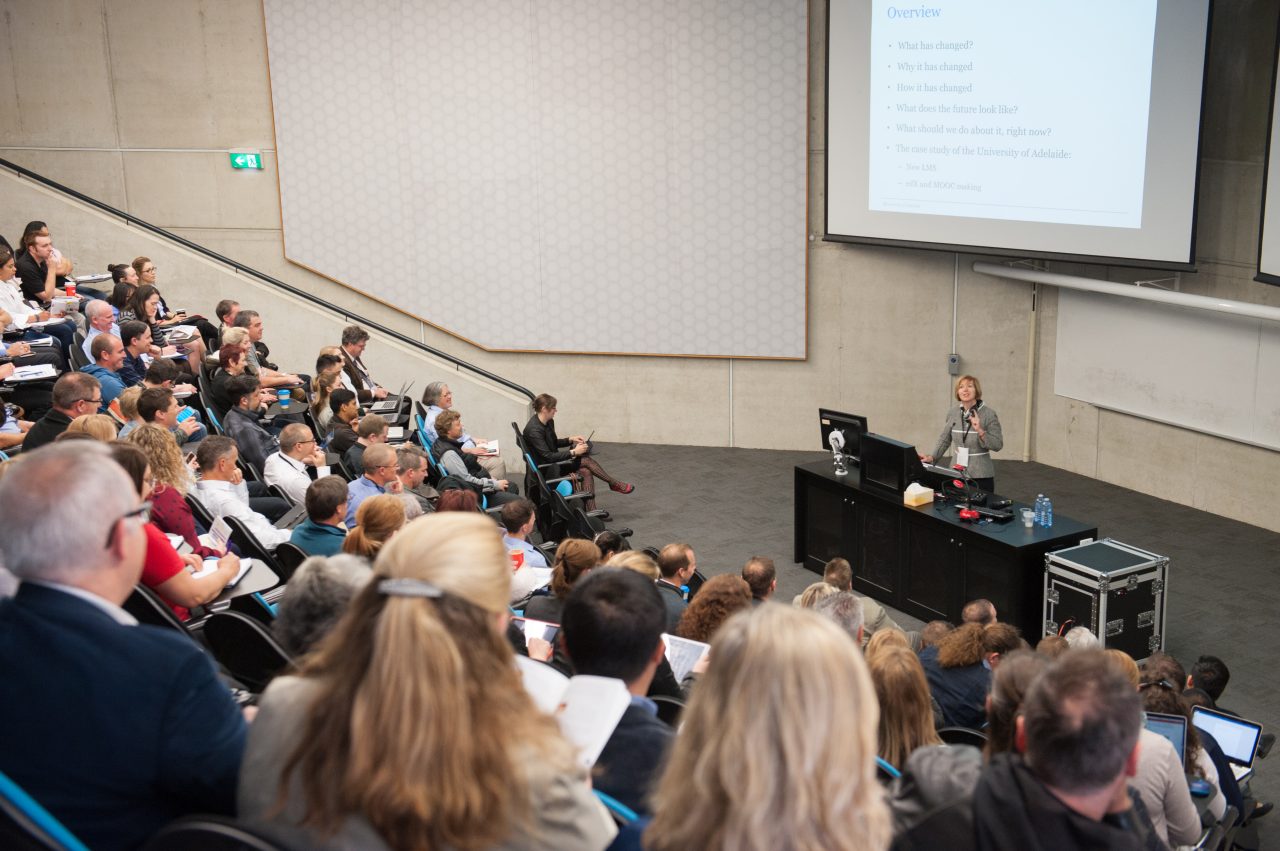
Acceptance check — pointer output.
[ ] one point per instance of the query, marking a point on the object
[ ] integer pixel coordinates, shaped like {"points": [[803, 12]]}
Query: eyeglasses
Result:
{"points": [[1164, 684], [142, 512], [97, 401], [305, 442]]}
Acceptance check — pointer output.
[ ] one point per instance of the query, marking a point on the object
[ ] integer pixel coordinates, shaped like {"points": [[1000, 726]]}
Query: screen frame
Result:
{"points": [[1189, 265], [858, 422], [1230, 719]]}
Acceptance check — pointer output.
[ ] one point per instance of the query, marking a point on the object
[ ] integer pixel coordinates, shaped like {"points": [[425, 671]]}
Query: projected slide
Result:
{"points": [[975, 111]]}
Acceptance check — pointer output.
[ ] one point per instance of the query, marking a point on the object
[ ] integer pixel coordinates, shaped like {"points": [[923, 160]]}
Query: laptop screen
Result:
{"points": [[1173, 728], [1237, 737]]}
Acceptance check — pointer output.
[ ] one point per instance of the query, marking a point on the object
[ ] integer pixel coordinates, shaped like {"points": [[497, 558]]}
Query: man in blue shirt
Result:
{"points": [[100, 319], [108, 355], [136, 337], [324, 530], [379, 477], [519, 520]]}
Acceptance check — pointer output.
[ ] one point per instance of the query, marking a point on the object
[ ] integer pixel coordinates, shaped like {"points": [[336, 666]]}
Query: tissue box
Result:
{"points": [[916, 494]]}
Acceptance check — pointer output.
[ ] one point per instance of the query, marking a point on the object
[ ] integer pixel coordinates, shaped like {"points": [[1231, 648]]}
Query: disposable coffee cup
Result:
{"points": [[517, 559], [1028, 517], [70, 288], [283, 396]]}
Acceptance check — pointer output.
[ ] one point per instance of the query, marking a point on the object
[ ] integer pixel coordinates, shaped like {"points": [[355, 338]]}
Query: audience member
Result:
{"points": [[226, 311], [575, 558], [980, 611], [287, 468], [164, 570], [161, 737], [231, 364], [136, 338], [720, 597], [959, 670], [1052, 646], [1079, 738], [612, 626], [356, 376], [223, 493], [677, 564], [267, 373], [411, 470], [74, 394], [639, 561], [933, 633], [519, 519], [172, 481], [371, 429], [839, 573], [1082, 638], [906, 713], [13, 429], [377, 520], [315, 599], [99, 319], [761, 577], [37, 272], [458, 499], [147, 273], [346, 412], [845, 609], [243, 422], [813, 594], [159, 406], [379, 477], [145, 306], [13, 302], [325, 529], [764, 664], [571, 454], [1009, 686], [128, 405], [609, 542], [884, 640], [450, 751], [108, 357], [438, 398], [322, 386], [1212, 675], [98, 426], [1160, 687], [464, 468]]}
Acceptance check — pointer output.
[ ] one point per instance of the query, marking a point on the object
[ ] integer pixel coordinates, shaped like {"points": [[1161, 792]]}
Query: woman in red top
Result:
{"points": [[164, 569], [169, 509]]}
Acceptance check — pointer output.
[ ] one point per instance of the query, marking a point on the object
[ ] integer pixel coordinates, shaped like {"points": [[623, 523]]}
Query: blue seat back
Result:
{"points": [[17, 798]]}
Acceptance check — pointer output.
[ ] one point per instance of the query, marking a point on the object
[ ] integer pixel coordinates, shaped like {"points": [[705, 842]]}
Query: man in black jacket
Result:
{"points": [[612, 626], [74, 394]]}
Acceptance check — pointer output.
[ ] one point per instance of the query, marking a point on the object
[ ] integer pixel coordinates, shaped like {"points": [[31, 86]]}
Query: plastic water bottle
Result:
{"points": [[1040, 510], [1048, 512]]}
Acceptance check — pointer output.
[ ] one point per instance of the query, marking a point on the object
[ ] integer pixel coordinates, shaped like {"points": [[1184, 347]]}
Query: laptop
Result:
{"points": [[391, 403], [1171, 727], [1237, 737]]}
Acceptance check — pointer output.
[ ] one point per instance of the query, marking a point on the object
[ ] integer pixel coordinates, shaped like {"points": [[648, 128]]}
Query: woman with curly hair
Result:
{"points": [[719, 598], [169, 510], [959, 669]]}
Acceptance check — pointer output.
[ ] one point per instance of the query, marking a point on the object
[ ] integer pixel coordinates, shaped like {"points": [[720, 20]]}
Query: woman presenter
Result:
{"points": [[975, 429]]}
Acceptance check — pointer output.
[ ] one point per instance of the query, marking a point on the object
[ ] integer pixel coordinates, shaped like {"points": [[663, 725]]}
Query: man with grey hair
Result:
{"points": [[355, 375], [316, 598], [845, 608], [287, 468], [115, 728], [222, 490], [100, 319], [438, 398]]}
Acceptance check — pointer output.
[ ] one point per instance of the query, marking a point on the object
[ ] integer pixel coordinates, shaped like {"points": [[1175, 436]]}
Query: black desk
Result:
{"points": [[924, 560]]}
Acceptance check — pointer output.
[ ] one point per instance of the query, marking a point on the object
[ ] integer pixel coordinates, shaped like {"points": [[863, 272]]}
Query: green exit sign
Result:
{"points": [[246, 160]]}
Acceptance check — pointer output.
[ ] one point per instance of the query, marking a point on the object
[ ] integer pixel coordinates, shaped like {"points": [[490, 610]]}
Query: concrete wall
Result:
{"points": [[160, 90]]}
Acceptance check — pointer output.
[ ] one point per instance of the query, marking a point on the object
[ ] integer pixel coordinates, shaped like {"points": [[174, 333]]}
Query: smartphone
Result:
{"points": [[185, 414], [189, 457]]}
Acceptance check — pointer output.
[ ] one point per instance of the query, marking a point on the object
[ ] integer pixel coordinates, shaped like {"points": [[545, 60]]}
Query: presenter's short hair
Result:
{"points": [[977, 386]]}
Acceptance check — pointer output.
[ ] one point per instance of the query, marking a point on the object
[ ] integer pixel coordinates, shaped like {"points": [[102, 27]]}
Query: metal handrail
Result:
{"points": [[263, 276]]}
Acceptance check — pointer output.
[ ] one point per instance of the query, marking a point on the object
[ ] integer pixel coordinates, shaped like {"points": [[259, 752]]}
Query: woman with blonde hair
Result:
{"points": [[408, 726], [885, 639], [377, 519], [755, 780], [98, 426], [637, 560], [809, 597], [906, 713], [574, 559], [169, 510]]}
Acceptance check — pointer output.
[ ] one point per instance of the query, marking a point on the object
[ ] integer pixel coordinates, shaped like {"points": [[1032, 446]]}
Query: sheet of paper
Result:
{"points": [[220, 533], [34, 372], [683, 654]]}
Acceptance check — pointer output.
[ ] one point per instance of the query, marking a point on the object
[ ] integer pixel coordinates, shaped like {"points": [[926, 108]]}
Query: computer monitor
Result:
{"points": [[1171, 727], [1237, 737], [852, 426], [888, 465]]}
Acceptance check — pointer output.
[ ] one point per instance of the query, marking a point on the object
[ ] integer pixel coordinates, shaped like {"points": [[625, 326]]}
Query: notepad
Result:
{"points": [[587, 708], [683, 654]]}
